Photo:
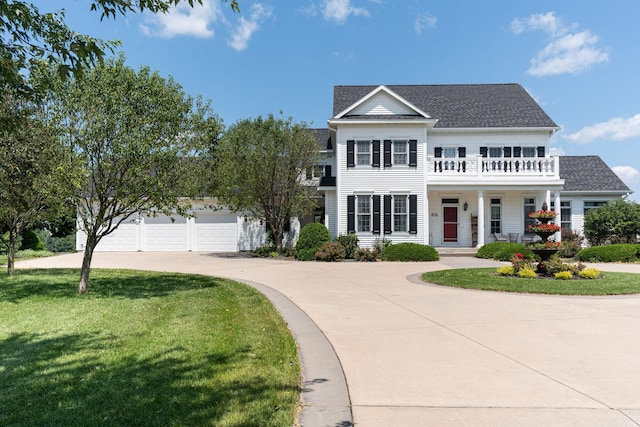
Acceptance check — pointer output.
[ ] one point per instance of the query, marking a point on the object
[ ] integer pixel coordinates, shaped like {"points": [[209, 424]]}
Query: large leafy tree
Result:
{"points": [[136, 135], [36, 173], [27, 35], [616, 222], [259, 164]]}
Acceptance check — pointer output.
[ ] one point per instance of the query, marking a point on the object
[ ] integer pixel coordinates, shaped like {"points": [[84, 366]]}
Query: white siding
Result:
{"points": [[381, 104]]}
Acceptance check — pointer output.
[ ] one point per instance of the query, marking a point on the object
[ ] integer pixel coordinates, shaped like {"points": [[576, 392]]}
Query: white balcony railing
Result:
{"points": [[479, 166]]}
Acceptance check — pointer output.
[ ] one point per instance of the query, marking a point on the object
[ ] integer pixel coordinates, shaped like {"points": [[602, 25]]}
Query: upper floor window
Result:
{"points": [[315, 172], [400, 152], [495, 151], [528, 151], [363, 156]]}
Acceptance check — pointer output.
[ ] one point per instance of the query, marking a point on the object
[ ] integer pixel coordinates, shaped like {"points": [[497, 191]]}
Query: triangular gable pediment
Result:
{"points": [[382, 102]]}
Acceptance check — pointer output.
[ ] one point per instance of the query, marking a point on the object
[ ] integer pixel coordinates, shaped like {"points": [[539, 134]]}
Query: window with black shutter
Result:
{"points": [[506, 151], [413, 214], [462, 151], [375, 228], [517, 151], [437, 152], [413, 153], [376, 153], [351, 158], [387, 153], [351, 214], [484, 151], [540, 151], [387, 214]]}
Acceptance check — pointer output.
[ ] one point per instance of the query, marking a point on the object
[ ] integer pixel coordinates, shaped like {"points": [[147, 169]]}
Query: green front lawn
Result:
{"points": [[487, 279], [142, 349], [26, 254]]}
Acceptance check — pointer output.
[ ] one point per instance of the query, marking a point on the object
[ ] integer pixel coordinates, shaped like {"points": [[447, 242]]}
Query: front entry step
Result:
{"points": [[449, 251]]}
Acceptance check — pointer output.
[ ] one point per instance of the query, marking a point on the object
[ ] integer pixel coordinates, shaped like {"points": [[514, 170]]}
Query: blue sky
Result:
{"points": [[579, 59]]}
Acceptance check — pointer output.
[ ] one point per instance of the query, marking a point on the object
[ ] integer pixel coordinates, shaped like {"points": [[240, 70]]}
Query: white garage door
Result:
{"points": [[162, 234], [123, 239], [216, 232]]}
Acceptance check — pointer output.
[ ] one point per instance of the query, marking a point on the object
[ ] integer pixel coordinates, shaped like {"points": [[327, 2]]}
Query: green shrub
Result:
{"points": [[312, 236], [571, 244], [30, 240], [367, 255], [350, 244], [503, 251], [623, 252], [380, 244], [553, 265], [264, 251], [330, 252], [563, 275], [589, 273], [507, 270], [527, 273], [410, 252]]}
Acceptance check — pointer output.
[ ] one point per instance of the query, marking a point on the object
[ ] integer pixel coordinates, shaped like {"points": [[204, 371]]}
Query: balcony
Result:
{"points": [[478, 167]]}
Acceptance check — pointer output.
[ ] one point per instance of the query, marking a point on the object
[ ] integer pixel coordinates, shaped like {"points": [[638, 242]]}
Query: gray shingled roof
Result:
{"points": [[589, 173], [323, 137], [460, 106]]}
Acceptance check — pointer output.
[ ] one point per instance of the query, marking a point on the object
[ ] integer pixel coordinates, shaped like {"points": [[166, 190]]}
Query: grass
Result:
{"points": [[26, 254], [142, 349], [487, 279]]}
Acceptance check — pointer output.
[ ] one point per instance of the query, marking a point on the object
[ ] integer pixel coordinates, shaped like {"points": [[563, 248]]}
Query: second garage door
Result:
{"points": [[162, 234], [216, 232]]}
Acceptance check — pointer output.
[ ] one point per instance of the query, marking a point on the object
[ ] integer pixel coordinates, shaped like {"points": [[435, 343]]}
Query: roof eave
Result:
{"points": [[430, 123], [550, 129]]}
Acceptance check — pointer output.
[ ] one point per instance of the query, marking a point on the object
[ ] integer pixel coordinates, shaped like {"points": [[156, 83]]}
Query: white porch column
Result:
{"points": [[480, 218], [557, 209], [547, 198], [427, 231]]}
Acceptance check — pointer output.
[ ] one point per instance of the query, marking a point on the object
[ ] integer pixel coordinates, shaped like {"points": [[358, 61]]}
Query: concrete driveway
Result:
{"points": [[415, 354]]}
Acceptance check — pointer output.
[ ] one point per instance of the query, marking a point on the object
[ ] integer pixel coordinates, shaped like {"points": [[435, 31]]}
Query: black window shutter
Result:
{"points": [[484, 151], [387, 153], [462, 152], [517, 151], [506, 151], [413, 152], [413, 214], [540, 151], [327, 171], [387, 214], [437, 151], [351, 214], [375, 229], [351, 158], [376, 153]]}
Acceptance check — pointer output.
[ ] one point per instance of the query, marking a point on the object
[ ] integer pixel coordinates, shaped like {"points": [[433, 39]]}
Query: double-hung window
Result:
{"points": [[400, 152], [400, 214], [528, 151], [529, 207], [363, 213], [588, 205], [363, 153], [565, 214]]}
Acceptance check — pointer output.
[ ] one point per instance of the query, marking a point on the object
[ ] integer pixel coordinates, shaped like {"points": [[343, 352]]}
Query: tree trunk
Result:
{"points": [[83, 286], [277, 233], [11, 253]]}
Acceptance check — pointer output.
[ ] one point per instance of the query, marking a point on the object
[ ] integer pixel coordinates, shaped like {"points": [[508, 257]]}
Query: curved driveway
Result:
{"points": [[415, 354]]}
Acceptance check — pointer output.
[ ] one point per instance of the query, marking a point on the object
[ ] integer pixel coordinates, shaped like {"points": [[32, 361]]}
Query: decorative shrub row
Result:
{"points": [[410, 252], [503, 251], [554, 267], [623, 252]]}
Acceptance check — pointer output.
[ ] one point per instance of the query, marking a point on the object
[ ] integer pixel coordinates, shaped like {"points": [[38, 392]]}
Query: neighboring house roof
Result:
{"points": [[324, 138], [458, 106], [589, 174]]}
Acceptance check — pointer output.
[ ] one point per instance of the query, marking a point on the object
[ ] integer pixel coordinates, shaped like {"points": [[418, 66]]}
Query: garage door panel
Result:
{"points": [[216, 232], [165, 234], [122, 239]]}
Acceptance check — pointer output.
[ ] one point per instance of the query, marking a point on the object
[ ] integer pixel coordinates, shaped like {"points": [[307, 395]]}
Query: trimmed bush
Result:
{"points": [[571, 244], [367, 255], [564, 275], [527, 273], [350, 244], [623, 252], [410, 252], [507, 270], [30, 240], [312, 236], [503, 251], [331, 252], [589, 273]]}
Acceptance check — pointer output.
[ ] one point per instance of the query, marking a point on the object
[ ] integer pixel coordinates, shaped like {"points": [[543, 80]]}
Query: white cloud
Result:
{"points": [[424, 21], [568, 51], [183, 20], [556, 151], [628, 174], [340, 10], [310, 9], [246, 27], [617, 129]]}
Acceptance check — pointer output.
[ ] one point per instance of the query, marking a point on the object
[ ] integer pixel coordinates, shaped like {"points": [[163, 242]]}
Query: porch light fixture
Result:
{"points": [[465, 206]]}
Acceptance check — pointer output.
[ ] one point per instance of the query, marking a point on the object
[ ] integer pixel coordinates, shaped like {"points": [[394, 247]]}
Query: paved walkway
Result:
{"points": [[415, 354]]}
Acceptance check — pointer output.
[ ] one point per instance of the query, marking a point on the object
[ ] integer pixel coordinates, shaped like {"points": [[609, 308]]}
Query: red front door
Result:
{"points": [[450, 215]]}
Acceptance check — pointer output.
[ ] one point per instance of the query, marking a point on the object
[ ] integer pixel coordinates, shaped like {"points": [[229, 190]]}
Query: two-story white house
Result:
{"points": [[450, 165], [446, 165]]}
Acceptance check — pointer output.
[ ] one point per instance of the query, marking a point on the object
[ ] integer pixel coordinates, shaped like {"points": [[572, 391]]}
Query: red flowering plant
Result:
{"points": [[544, 228], [545, 245], [519, 262], [543, 214]]}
